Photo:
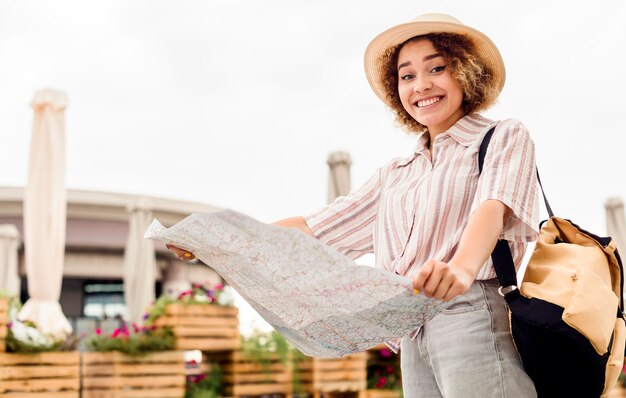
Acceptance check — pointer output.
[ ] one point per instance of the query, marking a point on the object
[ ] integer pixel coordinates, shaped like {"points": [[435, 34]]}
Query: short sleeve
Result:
{"points": [[346, 224], [510, 176]]}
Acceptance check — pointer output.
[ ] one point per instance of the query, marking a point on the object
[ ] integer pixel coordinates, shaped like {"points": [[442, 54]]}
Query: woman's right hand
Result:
{"points": [[182, 254]]}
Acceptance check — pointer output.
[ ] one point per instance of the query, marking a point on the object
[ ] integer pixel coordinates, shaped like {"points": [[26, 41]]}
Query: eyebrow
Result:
{"points": [[426, 58]]}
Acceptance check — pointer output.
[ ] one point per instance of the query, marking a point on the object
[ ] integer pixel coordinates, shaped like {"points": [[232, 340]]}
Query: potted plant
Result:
{"points": [[202, 318], [35, 363]]}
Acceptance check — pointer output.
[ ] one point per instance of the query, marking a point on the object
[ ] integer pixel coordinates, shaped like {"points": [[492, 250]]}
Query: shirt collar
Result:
{"points": [[465, 131]]}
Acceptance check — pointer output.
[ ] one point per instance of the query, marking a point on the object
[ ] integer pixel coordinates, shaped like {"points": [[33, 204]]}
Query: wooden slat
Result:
{"points": [[342, 375], [90, 383], [40, 385], [374, 393], [258, 389], [340, 386], [345, 375], [122, 369], [205, 344], [4, 306], [33, 372], [200, 310], [239, 378], [332, 366], [117, 357], [252, 367], [44, 358], [221, 322], [239, 356], [43, 394], [3, 332], [143, 393], [204, 331]]}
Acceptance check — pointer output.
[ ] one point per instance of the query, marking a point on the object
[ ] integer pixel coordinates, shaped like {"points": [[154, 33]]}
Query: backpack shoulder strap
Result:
{"points": [[482, 152], [501, 256]]}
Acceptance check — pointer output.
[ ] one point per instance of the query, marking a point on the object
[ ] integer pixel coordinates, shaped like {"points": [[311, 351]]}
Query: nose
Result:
{"points": [[422, 83]]}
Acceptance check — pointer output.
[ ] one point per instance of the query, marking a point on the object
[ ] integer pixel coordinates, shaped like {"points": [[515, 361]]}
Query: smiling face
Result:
{"points": [[426, 87]]}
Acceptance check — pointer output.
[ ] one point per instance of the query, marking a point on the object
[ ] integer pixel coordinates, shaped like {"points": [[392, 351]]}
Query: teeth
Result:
{"points": [[429, 101]]}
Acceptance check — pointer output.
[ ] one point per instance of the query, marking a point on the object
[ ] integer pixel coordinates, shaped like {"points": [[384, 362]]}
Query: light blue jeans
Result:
{"points": [[466, 351]]}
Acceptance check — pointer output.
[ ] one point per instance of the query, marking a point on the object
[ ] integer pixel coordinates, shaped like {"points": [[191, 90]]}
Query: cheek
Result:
{"points": [[404, 93], [458, 93]]}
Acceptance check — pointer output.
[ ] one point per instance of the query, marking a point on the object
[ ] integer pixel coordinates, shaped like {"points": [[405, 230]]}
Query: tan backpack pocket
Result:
{"points": [[582, 312], [616, 359]]}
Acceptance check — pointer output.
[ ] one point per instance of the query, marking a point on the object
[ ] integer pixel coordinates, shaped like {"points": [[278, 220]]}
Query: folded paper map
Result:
{"points": [[320, 300]]}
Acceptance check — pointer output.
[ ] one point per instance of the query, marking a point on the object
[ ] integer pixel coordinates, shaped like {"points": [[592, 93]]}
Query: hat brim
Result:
{"points": [[374, 68]]}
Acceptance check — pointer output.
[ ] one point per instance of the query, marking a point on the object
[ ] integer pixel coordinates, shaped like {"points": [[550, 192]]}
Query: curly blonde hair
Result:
{"points": [[473, 75]]}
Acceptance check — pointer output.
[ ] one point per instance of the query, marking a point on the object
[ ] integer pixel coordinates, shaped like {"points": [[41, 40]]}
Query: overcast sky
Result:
{"points": [[237, 103]]}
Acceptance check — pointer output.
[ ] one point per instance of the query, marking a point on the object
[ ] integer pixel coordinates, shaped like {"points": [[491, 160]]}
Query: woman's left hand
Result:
{"points": [[442, 280]]}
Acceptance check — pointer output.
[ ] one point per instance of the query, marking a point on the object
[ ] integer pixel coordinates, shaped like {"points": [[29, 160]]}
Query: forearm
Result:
{"points": [[480, 236], [295, 222]]}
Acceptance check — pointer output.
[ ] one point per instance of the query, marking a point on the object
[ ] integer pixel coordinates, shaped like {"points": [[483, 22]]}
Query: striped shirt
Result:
{"points": [[414, 209]]}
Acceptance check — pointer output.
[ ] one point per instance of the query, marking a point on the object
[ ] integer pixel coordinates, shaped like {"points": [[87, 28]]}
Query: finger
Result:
{"points": [[446, 283], [455, 290], [420, 278], [437, 276]]}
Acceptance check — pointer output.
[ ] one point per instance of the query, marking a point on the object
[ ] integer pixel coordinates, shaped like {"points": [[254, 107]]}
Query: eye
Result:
{"points": [[406, 77], [437, 69]]}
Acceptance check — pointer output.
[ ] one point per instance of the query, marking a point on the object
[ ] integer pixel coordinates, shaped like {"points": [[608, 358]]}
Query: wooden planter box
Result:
{"points": [[244, 376], [204, 327], [380, 393], [45, 375], [115, 375], [322, 375], [4, 319]]}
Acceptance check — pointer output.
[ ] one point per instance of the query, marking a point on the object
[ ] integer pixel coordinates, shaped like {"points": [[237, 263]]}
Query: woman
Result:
{"points": [[429, 216]]}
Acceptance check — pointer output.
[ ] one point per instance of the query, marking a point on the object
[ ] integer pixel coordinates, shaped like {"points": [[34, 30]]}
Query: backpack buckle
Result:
{"points": [[504, 290]]}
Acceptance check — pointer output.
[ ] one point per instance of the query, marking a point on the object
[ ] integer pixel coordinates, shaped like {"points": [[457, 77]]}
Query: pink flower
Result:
{"points": [[385, 353], [116, 332], [381, 382], [135, 327], [389, 369], [99, 332], [219, 286], [9, 324]]}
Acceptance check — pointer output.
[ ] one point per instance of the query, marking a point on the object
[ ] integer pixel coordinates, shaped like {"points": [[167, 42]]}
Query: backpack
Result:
{"points": [[567, 316]]}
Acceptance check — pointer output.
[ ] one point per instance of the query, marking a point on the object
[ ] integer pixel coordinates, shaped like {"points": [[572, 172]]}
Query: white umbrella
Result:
{"points": [[9, 243], [338, 174], [616, 223], [139, 263], [45, 206]]}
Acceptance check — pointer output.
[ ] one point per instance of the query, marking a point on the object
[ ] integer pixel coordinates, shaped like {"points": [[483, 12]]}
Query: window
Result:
{"points": [[104, 300]]}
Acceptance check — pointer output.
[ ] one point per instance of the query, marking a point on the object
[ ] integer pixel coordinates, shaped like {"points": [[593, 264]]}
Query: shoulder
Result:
{"points": [[512, 128], [399, 162]]}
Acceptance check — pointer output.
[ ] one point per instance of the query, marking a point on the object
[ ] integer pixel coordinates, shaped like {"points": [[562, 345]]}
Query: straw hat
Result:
{"points": [[424, 24]]}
